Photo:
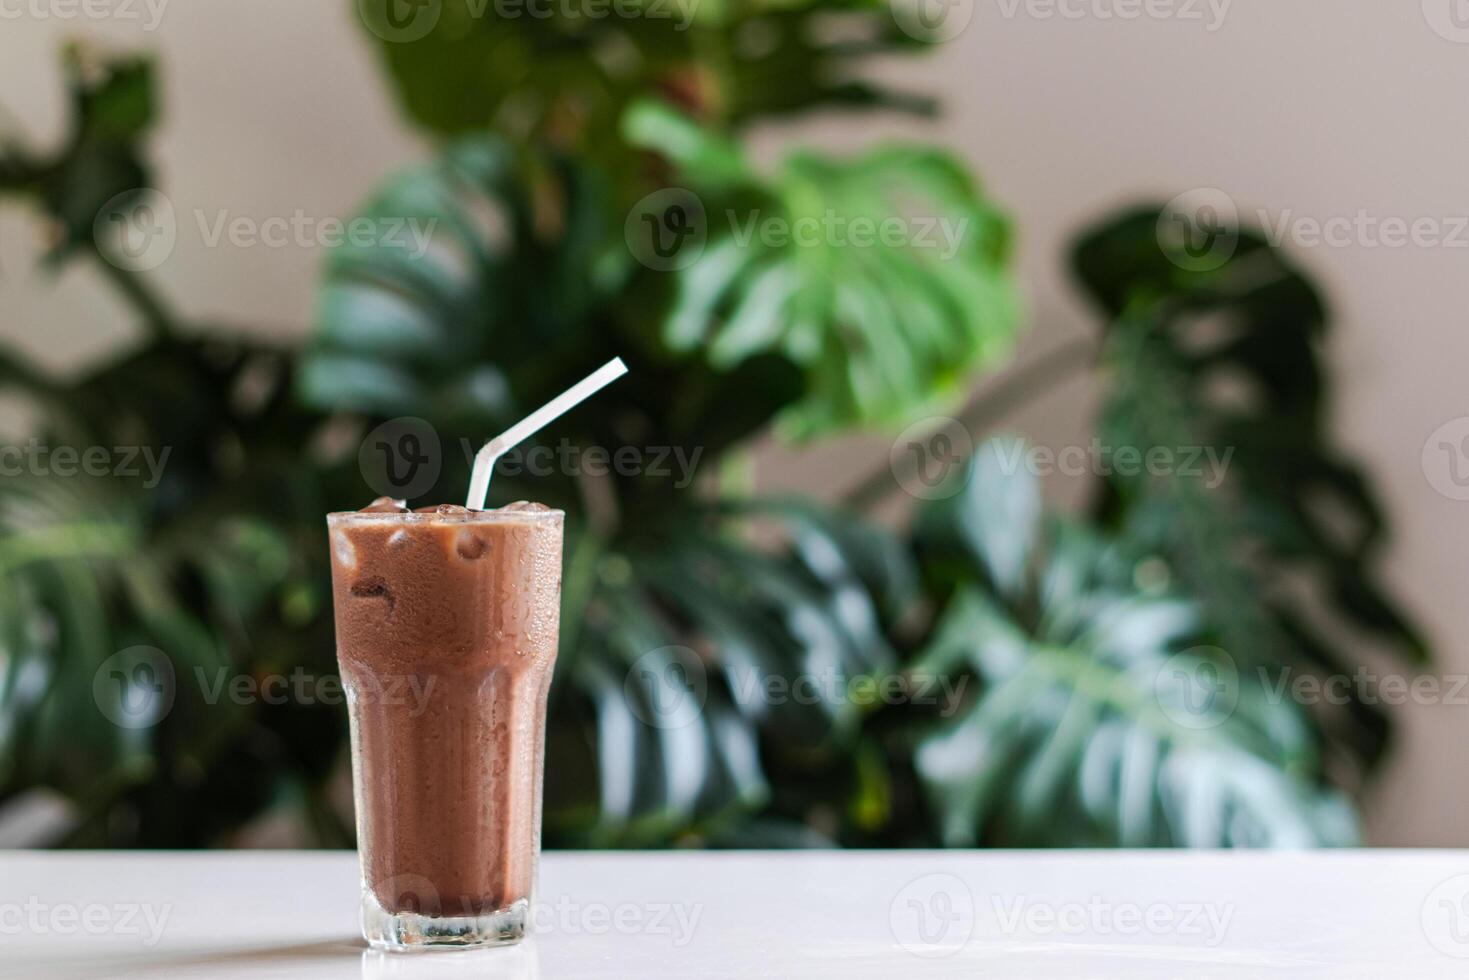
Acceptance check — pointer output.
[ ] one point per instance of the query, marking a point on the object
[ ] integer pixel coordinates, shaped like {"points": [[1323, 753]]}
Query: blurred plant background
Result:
{"points": [[1108, 669]]}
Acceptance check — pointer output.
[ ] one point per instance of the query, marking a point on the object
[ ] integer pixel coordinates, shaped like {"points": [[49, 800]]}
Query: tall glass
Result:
{"points": [[447, 625]]}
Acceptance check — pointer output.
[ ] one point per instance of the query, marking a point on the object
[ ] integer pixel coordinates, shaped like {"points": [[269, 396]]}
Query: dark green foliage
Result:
{"points": [[1095, 724], [1048, 668], [1228, 359], [218, 565], [881, 330], [570, 78]]}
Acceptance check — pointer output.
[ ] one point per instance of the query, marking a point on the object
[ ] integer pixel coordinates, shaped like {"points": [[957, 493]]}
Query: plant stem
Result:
{"points": [[985, 409], [143, 298], [16, 370]]}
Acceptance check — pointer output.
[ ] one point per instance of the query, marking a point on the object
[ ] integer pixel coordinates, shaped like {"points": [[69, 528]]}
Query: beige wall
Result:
{"points": [[1316, 107], [269, 107]]}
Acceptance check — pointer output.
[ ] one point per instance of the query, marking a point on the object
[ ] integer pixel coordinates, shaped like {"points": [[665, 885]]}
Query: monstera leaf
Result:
{"points": [[137, 586], [1219, 360], [680, 660], [523, 286], [151, 536], [1101, 721], [566, 73], [458, 279], [883, 277]]}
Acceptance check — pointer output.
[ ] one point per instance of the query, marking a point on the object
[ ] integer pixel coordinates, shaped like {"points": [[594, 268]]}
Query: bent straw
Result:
{"points": [[484, 460]]}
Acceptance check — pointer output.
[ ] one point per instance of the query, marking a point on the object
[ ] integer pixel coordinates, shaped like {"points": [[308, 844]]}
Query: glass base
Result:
{"points": [[410, 931]]}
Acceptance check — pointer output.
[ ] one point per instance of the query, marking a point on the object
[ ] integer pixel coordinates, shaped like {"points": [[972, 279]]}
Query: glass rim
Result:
{"points": [[497, 515]]}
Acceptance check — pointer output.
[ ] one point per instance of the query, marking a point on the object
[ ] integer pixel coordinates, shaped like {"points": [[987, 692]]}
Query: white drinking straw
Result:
{"points": [[484, 460]]}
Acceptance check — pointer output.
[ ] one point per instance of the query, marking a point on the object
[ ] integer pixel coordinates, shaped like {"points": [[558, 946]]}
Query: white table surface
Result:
{"points": [[848, 915]]}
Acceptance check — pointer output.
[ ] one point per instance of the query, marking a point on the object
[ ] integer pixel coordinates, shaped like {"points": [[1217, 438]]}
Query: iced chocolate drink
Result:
{"points": [[446, 635]]}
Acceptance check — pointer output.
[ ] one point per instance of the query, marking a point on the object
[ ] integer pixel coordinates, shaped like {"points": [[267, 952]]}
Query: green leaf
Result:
{"points": [[884, 278], [721, 631], [569, 74], [194, 555], [1090, 728], [1226, 361], [654, 125], [421, 322], [997, 514]]}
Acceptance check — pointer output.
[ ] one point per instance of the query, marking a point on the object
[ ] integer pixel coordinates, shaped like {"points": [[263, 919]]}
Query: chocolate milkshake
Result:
{"points": [[446, 625]]}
